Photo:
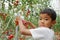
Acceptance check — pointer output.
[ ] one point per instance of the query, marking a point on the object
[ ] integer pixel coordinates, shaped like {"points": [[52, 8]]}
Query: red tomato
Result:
{"points": [[25, 23], [17, 1], [28, 11], [10, 36], [16, 23]]}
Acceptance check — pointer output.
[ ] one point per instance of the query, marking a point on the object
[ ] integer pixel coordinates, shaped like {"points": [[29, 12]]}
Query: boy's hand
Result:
{"points": [[28, 23], [17, 20], [23, 29], [25, 23]]}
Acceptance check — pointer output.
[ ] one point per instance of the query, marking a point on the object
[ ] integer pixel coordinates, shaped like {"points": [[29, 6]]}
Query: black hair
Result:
{"points": [[50, 12]]}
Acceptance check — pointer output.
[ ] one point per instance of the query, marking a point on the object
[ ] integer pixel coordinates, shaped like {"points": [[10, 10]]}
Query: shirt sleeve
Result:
{"points": [[40, 33], [37, 33]]}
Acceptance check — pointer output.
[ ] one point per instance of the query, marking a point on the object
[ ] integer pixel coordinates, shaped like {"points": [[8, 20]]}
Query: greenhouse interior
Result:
{"points": [[28, 10]]}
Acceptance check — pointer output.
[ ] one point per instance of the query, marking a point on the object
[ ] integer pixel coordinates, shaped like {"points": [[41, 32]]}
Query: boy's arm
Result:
{"points": [[26, 23], [23, 29], [31, 24]]}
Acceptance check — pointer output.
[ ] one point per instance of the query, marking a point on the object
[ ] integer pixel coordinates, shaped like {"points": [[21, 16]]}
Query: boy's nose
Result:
{"points": [[42, 21]]}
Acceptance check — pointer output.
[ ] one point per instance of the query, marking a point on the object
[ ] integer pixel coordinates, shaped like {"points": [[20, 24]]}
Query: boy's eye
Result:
{"points": [[40, 19], [46, 19]]}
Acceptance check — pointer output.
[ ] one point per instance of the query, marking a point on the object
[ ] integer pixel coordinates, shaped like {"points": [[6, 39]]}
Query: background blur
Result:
{"points": [[29, 9]]}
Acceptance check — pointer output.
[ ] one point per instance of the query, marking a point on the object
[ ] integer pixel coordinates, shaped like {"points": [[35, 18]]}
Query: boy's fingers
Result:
{"points": [[28, 22], [18, 18]]}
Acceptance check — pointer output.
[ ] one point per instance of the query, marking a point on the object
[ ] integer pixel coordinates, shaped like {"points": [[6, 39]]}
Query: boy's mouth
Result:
{"points": [[42, 25]]}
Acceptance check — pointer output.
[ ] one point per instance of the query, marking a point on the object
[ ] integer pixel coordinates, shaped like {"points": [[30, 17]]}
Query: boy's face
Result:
{"points": [[45, 21]]}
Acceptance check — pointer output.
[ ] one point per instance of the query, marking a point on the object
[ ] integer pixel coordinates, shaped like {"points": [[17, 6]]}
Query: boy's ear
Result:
{"points": [[54, 22]]}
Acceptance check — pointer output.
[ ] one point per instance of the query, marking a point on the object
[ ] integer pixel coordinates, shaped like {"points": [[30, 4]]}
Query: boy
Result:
{"points": [[44, 31]]}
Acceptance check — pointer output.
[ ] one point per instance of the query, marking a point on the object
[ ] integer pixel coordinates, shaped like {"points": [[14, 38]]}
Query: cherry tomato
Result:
{"points": [[10, 36], [16, 23], [25, 23]]}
